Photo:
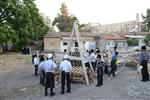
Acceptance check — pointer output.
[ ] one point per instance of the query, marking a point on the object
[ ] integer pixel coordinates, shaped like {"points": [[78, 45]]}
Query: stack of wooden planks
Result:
{"points": [[77, 74]]}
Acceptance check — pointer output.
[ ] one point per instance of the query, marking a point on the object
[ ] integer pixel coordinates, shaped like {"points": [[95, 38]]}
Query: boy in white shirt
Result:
{"points": [[36, 63], [50, 67], [66, 68], [93, 59]]}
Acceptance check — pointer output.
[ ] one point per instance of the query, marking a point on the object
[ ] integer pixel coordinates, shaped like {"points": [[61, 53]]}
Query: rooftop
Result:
{"points": [[68, 34]]}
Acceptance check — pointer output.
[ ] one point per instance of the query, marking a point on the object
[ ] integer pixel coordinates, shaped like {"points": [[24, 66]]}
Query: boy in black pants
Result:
{"points": [[99, 66]]}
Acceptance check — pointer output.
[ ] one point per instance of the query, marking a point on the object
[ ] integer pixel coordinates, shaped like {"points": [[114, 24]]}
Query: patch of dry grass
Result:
{"points": [[9, 61]]}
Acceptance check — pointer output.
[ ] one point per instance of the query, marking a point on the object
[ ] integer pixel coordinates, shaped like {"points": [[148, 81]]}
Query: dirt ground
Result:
{"points": [[17, 82]]}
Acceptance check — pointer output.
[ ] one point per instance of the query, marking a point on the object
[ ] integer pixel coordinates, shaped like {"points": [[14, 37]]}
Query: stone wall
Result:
{"points": [[52, 44]]}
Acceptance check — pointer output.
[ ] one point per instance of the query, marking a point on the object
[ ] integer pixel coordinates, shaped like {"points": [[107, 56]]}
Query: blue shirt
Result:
{"points": [[144, 56], [114, 56]]}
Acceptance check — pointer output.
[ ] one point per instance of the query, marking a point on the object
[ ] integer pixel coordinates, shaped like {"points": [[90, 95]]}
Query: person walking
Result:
{"points": [[113, 62], [99, 67], [66, 68], [49, 71], [143, 58]]}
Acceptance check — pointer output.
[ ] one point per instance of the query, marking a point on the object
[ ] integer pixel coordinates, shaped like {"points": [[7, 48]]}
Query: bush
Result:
{"points": [[147, 39], [132, 42]]}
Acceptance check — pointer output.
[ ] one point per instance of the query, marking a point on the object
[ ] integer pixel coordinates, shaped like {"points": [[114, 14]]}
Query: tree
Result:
{"points": [[7, 33], [147, 39], [64, 10], [22, 18], [84, 28], [64, 21], [146, 19], [132, 42]]}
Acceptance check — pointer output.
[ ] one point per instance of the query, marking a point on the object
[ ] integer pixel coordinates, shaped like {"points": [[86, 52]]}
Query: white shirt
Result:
{"points": [[65, 66], [36, 61], [92, 57], [42, 66], [49, 66]]}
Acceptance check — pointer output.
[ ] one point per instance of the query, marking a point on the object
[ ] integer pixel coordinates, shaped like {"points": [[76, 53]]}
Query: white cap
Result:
{"points": [[104, 54], [49, 56], [65, 57]]}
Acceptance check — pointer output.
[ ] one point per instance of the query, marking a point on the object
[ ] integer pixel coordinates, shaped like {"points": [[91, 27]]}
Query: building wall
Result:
{"points": [[89, 43], [60, 44], [109, 44], [126, 26], [52, 44], [119, 27]]}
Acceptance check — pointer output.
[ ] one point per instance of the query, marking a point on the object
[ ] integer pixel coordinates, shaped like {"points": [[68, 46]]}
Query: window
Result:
{"points": [[108, 43], [65, 43], [76, 44]]}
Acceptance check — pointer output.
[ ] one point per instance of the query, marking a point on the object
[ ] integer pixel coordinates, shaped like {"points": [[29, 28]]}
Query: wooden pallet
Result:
{"points": [[77, 74]]}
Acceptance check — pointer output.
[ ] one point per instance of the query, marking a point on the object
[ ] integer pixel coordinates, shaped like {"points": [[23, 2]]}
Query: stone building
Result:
{"points": [[127, 26], [59, 41], [108, 41]]}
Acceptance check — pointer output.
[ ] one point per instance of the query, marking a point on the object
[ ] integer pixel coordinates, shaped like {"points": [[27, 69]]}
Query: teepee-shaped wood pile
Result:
{"points": [[84, 56]]}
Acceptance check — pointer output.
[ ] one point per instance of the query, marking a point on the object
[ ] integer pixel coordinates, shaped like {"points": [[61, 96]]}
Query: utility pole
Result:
{"points": [[137, 22]]}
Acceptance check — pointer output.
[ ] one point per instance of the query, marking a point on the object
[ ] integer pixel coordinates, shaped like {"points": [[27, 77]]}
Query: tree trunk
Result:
{"points": [[5, 47]]}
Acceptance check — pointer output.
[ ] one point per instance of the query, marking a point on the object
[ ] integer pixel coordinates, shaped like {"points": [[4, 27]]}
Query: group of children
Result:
{"points": [[46, 69], [101, 66]]}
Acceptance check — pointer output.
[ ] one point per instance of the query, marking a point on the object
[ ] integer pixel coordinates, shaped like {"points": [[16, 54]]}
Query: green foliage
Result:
{"points": [[147, 39], [64, 21], [132, 42], [84, 28], [20, 22], [147, 20]]}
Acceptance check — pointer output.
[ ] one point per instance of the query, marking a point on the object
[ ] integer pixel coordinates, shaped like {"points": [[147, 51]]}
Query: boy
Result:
{"points": [[36, 63], [143, 58], [66, 68], [93, 58], [42, 70], [99, 66], [113, 62], [49, 67], [105, 63]]}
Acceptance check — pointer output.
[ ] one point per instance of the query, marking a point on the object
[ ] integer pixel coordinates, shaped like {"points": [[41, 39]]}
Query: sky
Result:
{"points": [[96, 11]]}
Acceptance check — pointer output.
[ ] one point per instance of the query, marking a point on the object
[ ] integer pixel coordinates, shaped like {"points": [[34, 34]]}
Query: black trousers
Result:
{"points": [[100, 76], [65, 76], [36, 70], [113, 68], [145, 74], [106, 69], [49, 83], [42, 78]]}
